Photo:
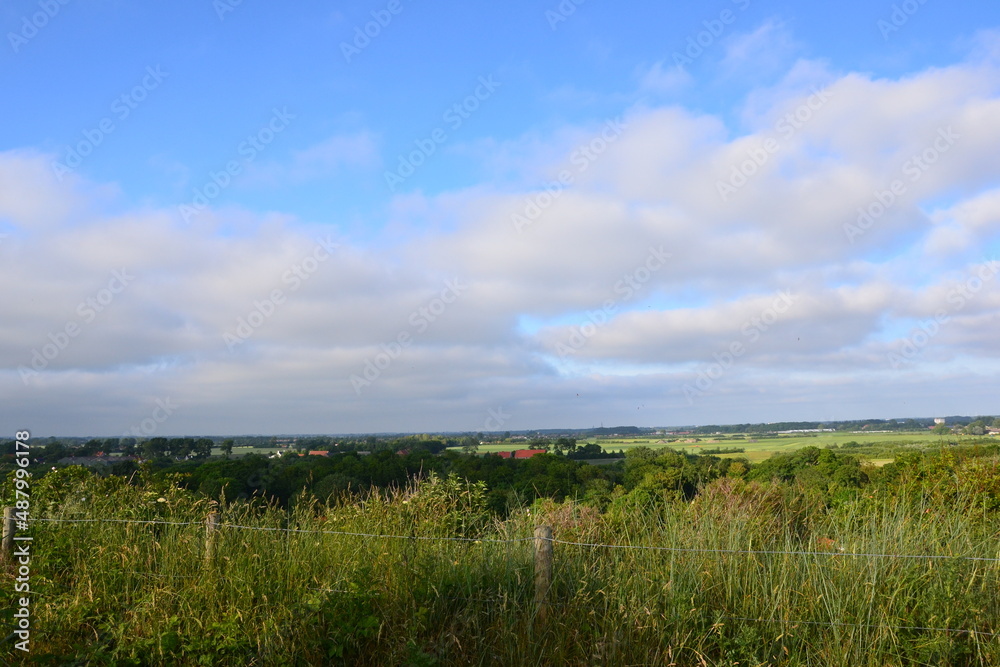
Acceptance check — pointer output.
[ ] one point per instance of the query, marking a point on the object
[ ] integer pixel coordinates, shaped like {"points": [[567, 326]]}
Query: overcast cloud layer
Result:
{"points": [[777, 229]]}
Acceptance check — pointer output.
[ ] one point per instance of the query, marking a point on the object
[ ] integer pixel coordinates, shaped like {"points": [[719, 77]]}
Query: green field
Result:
{"points": [[243, 451], [756, 449]]}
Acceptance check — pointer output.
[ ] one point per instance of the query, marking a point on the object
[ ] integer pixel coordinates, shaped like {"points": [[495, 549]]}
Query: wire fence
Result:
{"points": [[777, 552], [299, 530], [537, 539], [596, 545]]}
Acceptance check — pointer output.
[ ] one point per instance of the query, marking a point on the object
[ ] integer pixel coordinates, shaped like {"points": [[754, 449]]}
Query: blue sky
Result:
{"points": [[573, 211]]}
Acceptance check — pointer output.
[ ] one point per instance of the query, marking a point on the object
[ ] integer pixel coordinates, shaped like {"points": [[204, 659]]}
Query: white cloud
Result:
{"points": [[654, 185], [965, 226], [761, 52], [334, 155], [32, 194], [663, 78]]}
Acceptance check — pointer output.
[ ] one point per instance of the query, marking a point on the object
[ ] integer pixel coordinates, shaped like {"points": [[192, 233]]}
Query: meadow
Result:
{"points": [[900, 568], [244, 451], [755, 449]]}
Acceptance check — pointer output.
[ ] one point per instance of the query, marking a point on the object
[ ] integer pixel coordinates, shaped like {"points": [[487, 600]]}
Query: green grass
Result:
{"points": [[129, 594], [243, 451], [756, 450]]}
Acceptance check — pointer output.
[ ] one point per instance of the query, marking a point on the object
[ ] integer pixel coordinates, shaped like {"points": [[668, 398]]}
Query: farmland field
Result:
{"points": [[756, 449], [243, 451]]}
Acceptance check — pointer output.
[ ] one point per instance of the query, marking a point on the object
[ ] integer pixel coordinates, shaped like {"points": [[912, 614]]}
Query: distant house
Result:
{"points": [[319, 452], [521, 453]]}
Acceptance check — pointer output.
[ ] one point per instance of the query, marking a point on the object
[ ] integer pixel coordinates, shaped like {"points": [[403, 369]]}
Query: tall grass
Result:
{"points": [[275, 594]]}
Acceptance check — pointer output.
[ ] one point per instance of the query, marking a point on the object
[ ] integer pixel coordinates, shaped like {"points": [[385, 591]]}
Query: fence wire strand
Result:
{"points": [[596, 545], [770, 552], [297, 530]]}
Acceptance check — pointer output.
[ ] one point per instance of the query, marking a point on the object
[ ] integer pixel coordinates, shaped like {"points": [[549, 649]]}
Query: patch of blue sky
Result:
{"points": [[576, 365]]}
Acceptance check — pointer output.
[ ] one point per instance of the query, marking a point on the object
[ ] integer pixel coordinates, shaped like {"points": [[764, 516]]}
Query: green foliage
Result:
{"points": [[115, 593], [470, 445], [667, 473], [822, 474]]}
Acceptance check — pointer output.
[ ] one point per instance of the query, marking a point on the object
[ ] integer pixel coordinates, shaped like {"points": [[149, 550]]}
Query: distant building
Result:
{"points": [[521, 453], [318, 452], [938, 420], [813, 430]]}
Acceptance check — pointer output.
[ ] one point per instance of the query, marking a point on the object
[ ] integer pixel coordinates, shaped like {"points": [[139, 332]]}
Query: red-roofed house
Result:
{"points": [[521, 453]]}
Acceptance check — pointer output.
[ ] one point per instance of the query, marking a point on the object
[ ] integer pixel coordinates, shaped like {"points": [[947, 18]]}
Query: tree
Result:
{"points": [[227, 447], [470, 445], [941, 429], [590, 449], [564, 445], [90, 448], [154, 447], [976, 428], [54, 451], [540, 443], [334, 484], [180, 447], [202, 448]]}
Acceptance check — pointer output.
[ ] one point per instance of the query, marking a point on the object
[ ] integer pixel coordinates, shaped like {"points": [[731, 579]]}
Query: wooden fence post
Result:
{"points": [[543, 570], [7, 550], [211, 531]]}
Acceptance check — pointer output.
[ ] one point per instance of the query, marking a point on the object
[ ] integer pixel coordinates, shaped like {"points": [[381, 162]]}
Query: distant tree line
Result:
{"points": [[357, 466], [643, 475]]}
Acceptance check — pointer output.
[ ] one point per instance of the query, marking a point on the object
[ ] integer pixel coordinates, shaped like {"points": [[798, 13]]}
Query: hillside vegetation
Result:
{"points": [[806, 558]]}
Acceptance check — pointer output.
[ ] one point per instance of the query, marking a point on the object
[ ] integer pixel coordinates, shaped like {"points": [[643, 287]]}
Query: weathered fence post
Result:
{"points": [[211, 531], [543, 570], [7, 550]]}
